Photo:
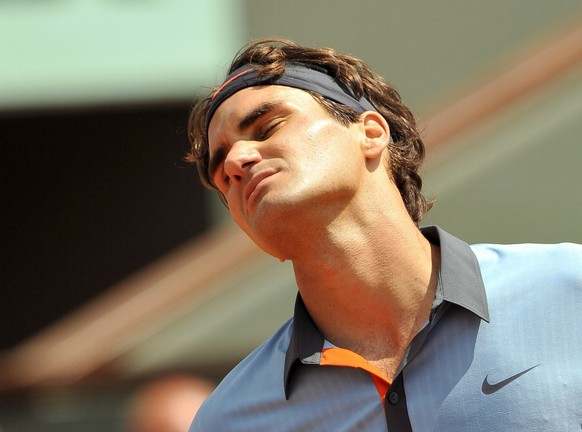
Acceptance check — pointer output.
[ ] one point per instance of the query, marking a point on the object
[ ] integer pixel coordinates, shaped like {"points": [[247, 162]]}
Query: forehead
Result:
{"points": [[233, 109]]}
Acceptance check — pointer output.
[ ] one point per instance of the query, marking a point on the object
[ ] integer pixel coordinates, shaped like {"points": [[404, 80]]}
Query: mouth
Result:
{"points": [[252, 185]]}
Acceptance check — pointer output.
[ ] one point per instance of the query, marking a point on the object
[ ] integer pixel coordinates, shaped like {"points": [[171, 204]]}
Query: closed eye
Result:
{"points": [[220, 179], [269, 127], [225, 179], [216, 163]]}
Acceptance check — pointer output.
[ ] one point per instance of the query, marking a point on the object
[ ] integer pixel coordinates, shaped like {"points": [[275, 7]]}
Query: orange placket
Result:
{"points": [[347, 358]]}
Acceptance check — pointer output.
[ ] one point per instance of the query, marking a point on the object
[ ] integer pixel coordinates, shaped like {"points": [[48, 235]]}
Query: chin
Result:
{"points": [[270, 225]]}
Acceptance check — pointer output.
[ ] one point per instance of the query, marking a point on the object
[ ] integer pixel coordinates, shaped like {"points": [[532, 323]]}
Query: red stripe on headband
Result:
{"points": [[224, 84]]}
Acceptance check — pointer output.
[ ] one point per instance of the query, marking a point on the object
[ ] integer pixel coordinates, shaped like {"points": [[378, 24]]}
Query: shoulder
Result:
{"points": [[528, 250], [252, 383], [544, 262]]}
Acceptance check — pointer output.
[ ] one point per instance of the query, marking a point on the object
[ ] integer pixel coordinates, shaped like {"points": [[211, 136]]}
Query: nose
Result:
{"points": [[241, 157]]}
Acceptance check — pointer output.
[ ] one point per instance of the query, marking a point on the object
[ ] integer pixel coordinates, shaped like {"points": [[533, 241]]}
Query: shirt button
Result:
{"points": [[393, 398]]}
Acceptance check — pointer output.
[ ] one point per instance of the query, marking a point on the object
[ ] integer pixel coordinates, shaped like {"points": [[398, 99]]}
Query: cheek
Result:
{"points": [[233, 206], [330, 147], [302, 140], [321, 126], [240, 221], [314, 143]]}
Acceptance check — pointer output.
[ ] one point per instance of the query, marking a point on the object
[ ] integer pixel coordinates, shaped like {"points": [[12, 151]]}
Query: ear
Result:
{"points": [[376, 134]]}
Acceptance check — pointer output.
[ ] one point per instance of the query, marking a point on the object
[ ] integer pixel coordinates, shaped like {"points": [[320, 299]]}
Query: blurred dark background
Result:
{"points": [[89, 196]]}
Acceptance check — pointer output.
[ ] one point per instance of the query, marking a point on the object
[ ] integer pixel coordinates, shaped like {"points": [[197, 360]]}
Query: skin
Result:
{"points": [[167, 404], [308, 189]]}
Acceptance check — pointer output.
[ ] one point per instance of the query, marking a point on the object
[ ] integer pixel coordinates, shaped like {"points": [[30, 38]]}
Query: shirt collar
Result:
{"points": [[306, 342], [460, 283], [460, 275]]}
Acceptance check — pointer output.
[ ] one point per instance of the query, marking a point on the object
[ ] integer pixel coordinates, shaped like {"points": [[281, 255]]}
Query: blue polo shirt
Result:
{"points": [[502, 351]]}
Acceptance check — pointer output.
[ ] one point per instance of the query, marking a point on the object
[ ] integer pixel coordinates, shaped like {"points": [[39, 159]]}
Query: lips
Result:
{"points": [[254, 182]]}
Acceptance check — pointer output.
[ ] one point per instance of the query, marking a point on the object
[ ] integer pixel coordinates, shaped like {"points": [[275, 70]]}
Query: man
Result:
{"points": [[394, 327]]}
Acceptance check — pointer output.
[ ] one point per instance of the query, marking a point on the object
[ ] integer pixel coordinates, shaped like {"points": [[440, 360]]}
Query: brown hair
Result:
{"points": [[269, 57]]}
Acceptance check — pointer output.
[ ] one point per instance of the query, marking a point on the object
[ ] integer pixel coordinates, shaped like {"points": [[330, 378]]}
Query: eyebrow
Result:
{"points": [[247, 121], [256, 114]]}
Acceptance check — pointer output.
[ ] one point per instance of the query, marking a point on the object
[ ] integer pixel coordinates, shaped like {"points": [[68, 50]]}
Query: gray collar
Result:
{"points": [[460, 280]]}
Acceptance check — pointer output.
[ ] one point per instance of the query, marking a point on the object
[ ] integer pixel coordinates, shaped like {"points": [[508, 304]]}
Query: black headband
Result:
{"points": [[295, 75]]}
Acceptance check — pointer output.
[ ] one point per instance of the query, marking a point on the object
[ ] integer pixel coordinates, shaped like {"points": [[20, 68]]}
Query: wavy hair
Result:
{"points": [[269, 57]]}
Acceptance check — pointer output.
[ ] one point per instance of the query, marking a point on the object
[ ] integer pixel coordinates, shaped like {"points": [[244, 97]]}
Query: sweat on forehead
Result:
{"points": [[295, 75]]}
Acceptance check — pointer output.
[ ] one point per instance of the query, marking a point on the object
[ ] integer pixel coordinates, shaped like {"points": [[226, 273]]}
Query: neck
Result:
{"points": [[369, 284]]}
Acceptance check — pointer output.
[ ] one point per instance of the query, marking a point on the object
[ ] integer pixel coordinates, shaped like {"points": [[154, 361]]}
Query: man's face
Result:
{"points": [[277, 156]]}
